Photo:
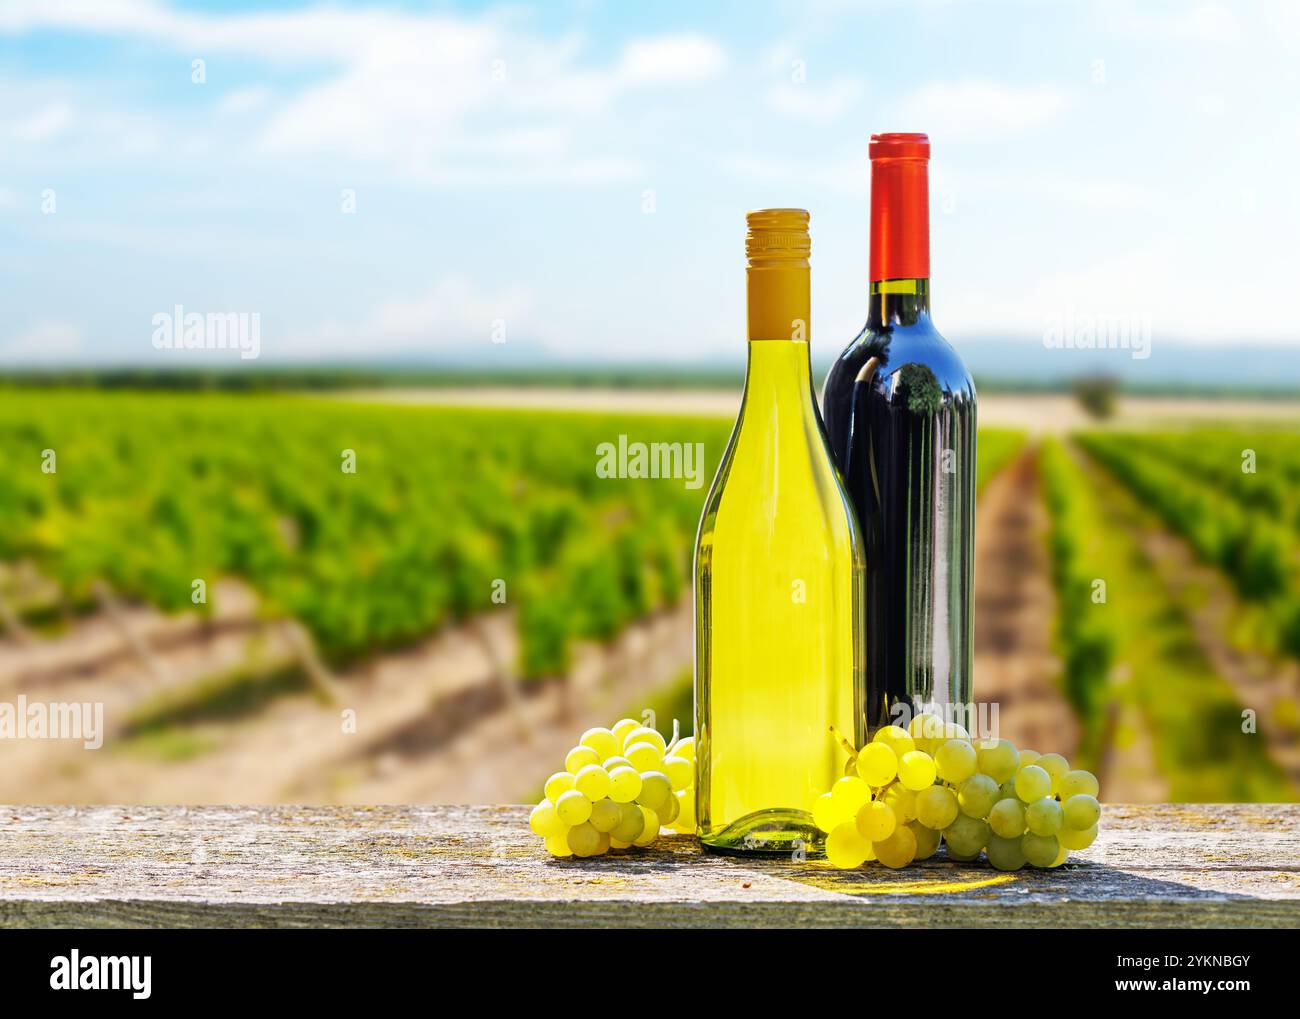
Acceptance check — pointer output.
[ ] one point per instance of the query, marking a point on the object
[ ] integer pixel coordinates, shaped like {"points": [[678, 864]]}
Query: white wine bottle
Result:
{"points": [[778, 582]]}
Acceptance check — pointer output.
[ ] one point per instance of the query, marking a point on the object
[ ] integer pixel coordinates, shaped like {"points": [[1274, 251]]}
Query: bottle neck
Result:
{"points": [[777, 302], [900, 230], [898, 303], [779, 380], [900, 217]]}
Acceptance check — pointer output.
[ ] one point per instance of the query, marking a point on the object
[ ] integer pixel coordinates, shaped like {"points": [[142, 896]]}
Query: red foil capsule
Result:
{"points": [[900, 206]]}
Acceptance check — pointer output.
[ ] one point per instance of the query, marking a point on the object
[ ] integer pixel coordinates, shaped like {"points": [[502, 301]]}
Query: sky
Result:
{"points": [[503, 182]]}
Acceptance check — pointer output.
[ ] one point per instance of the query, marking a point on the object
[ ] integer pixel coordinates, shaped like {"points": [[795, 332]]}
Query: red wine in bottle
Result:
{"points": [[899, 408]]}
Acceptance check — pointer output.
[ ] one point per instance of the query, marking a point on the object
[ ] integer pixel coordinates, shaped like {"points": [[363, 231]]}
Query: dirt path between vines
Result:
{"points": [[431, 723], [1266, 686], [497, 760], [1015, 608]]}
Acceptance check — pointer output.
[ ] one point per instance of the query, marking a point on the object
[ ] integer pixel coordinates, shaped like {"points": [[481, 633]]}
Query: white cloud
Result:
{"points": [[434, 96], [44, 124], [851, 174], [1202, 22], [454, 316], [44, 343], [670, 59], [824, 104], [974, 108], [1160, 282], [243, 100]]}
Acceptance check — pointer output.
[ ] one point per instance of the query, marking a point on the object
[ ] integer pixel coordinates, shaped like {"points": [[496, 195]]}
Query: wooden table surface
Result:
{"points": [[1172, 865]]}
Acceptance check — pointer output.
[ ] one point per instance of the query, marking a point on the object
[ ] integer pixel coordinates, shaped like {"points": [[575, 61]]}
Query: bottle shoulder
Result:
{"points": [[888, 359]]}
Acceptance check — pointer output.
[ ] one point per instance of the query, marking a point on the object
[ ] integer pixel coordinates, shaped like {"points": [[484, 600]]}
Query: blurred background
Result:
{"points": [[316, 318]]}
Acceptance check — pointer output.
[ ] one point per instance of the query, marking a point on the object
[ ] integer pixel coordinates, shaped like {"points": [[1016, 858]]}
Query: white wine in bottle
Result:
{"points": [[778, 581]]}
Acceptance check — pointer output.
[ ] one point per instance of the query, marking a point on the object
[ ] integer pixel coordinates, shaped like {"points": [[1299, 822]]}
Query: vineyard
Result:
{"points": [[230, 572], [372, 526]]}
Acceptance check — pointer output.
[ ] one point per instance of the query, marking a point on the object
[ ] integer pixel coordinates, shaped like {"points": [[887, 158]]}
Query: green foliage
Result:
{"points": [[1086, 644], [1139, 647], [154, 491], [1246, 522], [1097, 395], [997, 447]]}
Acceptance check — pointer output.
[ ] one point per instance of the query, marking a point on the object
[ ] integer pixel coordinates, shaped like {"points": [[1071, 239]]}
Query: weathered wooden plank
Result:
{"points": [[1190, 866]]}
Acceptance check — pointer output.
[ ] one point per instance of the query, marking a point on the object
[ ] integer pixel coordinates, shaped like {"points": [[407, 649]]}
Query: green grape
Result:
{"points": [[899, 849], [1043, 816], [1032, 783], [685, 748], [977, 795], [1039, 850], [936, 807], [644, 757], [845, 847], [1028, 757], [1079, 782], [624, 785], [680, 771], [1075, 840], [951, 730], [1081, 811], [668, 812], [1060, 857], [686, 810], [1007, 790], [998, 759], [876, 821], [927, 840], [584, 839], [644, 734], [593, 782], [578, 758], [926, 731], [558, 845], [622, 727], [877, 764], [605, 815], [1007, 819], [573, 808], [544, 821], [916, 770], [955, 760], [656, 790], [1005, 854], [603, 741], [618, 843], [901, 800], [650, 831], [1056, 766], [631, 823], [850, 793], [965, 837], [896, 738], [558, 784], [610, 763], [827, 814]]}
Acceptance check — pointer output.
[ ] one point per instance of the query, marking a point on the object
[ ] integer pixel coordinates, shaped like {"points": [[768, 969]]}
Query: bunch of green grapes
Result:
{"points": [[619, 786], [909, 789]]}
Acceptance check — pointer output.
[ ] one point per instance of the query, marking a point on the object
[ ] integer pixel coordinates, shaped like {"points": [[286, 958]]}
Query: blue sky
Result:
{"points": [[580, 172]]}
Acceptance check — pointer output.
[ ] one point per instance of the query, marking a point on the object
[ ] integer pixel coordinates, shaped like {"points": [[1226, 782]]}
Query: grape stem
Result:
{"points": [[677, 737], [848, 747]]}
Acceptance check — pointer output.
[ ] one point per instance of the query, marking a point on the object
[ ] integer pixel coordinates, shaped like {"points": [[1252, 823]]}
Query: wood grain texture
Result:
{"points": [[1185, 866]]}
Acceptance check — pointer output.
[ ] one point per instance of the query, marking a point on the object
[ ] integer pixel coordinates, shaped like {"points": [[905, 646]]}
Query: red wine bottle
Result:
{"points": [[899, 408]]}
